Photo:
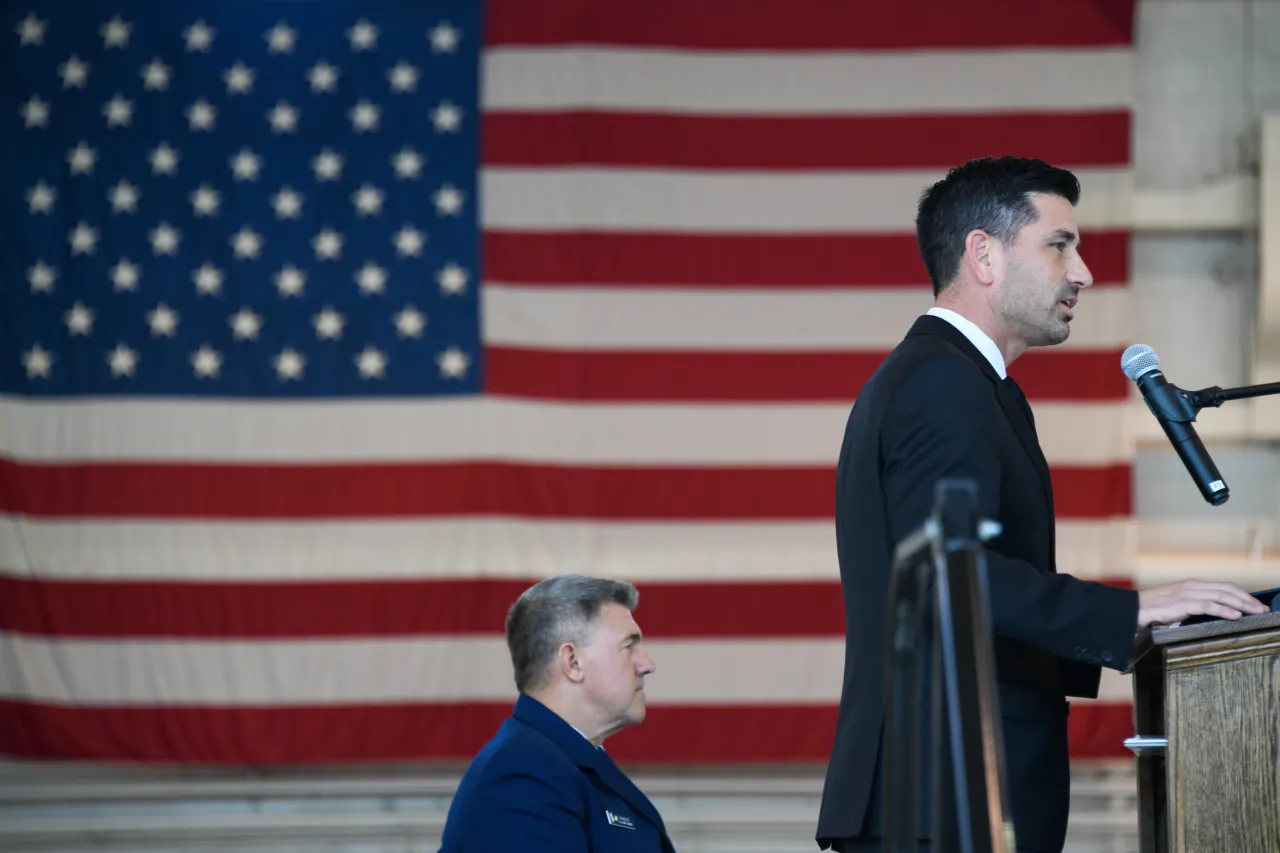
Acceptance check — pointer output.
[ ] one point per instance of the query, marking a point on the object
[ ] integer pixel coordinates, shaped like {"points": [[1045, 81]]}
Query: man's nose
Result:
{"points": [[1079, 274]]}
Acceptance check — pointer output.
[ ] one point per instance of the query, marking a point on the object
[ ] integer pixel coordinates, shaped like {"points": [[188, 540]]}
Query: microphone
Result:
{"points": [[1175, 413]]}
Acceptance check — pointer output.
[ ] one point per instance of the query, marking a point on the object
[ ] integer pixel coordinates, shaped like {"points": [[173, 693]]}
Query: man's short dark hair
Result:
{"points": [[990, 193], [554, 611]]}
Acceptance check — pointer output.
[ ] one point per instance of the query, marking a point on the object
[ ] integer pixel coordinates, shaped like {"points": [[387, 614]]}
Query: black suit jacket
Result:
{"points": [[936, 408]]}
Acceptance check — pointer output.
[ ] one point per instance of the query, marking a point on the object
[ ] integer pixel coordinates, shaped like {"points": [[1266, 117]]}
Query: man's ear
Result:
{"points": [[983, 256], [569, 658]]}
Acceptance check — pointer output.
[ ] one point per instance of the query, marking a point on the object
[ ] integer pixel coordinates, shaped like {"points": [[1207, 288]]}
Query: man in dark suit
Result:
{"points": [[1000, 243], [544, 783]]}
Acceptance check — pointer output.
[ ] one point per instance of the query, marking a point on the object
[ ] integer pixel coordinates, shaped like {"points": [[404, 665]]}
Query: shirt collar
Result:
{"points": [[976, 336]]}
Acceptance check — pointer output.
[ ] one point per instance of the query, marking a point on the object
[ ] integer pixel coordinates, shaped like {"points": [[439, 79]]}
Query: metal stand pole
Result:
{"points": [[938, 611]]}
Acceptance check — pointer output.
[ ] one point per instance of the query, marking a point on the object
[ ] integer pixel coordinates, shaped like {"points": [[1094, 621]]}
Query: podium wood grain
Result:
{"points": [[1213, 690]]}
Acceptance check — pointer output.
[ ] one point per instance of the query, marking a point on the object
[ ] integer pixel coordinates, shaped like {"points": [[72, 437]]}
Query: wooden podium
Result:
{"points": [[1207, 713]]}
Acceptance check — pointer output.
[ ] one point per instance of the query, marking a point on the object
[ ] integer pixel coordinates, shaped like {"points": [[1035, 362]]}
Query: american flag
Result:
{"points": [[329, 327]]}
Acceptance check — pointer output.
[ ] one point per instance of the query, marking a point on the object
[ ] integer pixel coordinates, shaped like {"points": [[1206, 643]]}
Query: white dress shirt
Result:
{"points": [[976, 336]]}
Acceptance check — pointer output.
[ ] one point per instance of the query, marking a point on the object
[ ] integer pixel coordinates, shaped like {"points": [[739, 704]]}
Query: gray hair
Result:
{"points": [[556, 611]]}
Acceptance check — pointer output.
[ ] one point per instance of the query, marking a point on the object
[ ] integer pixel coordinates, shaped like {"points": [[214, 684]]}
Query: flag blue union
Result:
{"points": [[235, 199]]}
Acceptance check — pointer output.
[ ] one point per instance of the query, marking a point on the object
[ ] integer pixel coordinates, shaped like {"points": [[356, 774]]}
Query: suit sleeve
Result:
{"points": [[943, 423], [518, 807]]}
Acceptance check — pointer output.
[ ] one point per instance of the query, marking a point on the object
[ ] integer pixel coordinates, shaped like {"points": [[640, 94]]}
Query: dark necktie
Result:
{"points": [[1021, 398]]}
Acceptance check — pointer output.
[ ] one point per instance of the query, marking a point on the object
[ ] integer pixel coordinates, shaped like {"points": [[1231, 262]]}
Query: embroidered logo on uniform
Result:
{"points": [[619, 820]]}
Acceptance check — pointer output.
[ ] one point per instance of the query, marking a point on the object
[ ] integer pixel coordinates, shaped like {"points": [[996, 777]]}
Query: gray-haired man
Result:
{"points": [[544, 784]]}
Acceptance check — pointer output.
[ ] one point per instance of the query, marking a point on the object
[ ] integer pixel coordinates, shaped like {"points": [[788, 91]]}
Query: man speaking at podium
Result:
{"points": [[1000, 244]]}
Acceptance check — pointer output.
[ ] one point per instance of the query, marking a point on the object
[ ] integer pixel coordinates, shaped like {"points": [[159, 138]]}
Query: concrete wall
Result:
{"points": [[1207, 71]]}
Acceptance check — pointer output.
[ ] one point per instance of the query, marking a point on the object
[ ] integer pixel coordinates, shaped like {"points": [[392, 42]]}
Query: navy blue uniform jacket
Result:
{"points": [[937, 408], [540, 787]]}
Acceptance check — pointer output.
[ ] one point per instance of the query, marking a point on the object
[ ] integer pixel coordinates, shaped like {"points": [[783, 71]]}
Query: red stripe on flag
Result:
{"points": [[319, 735], [813, 25], [800, 143], [407, 490], [252, 609], [308, 609], [773, 261], [670, 375]]}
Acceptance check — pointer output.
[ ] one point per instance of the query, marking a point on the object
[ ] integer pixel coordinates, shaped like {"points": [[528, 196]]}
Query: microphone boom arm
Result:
{"points": [[1215, 396]]}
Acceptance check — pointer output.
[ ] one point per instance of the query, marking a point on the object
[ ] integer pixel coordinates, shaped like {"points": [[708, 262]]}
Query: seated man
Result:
{"points": [[544, 783]]}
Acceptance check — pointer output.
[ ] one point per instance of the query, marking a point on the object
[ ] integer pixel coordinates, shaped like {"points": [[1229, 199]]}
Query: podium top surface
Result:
{"points": [[1169, 635], [1164, 636]]}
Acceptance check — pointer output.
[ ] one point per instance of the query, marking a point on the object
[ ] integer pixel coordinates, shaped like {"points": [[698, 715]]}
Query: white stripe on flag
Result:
{"points": [[177, 550], [565, 199], [1071, 433], [788, 319], [807, 83], [718, 671]]}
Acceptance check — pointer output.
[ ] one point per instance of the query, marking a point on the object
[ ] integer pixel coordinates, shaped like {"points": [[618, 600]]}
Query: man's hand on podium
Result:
{"points": [[1165, 605]]}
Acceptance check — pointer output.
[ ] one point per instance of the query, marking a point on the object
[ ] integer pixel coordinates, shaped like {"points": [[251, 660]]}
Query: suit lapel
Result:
{"points": [[1012, 402], [613, 776], [586, 756]]}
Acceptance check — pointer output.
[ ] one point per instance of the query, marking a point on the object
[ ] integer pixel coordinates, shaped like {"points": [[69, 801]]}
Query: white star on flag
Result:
{"points": [[409, 322], [205, 200], [289, 364], [371, 363], [409, 241], [84, 239], [403, 77], [155, 76], [79, 320], [328, 324], [124, 198], [74, 73], [239, 79], [283, 118], [407, 163], [82, 159], [30, 30], [164, 159], [208, 279], [247, 243], [448, 200], [444, 38], [364, 116], [281, 38], [246, 165], [41, 197], [368, 200], [328, 245], [35, 113], [245, 325], [453, 363], [363, 36], [38, 362], [452, 279], [163, 321], [123, 360], [371, 279], [42, 277], [115, 33], [199, 37], [206, 362], [323, 77], [287, 204], [327, 165], [201, 115], [291, 281], [165, 239], [125, 276], [119, 111], [446, 117]]}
